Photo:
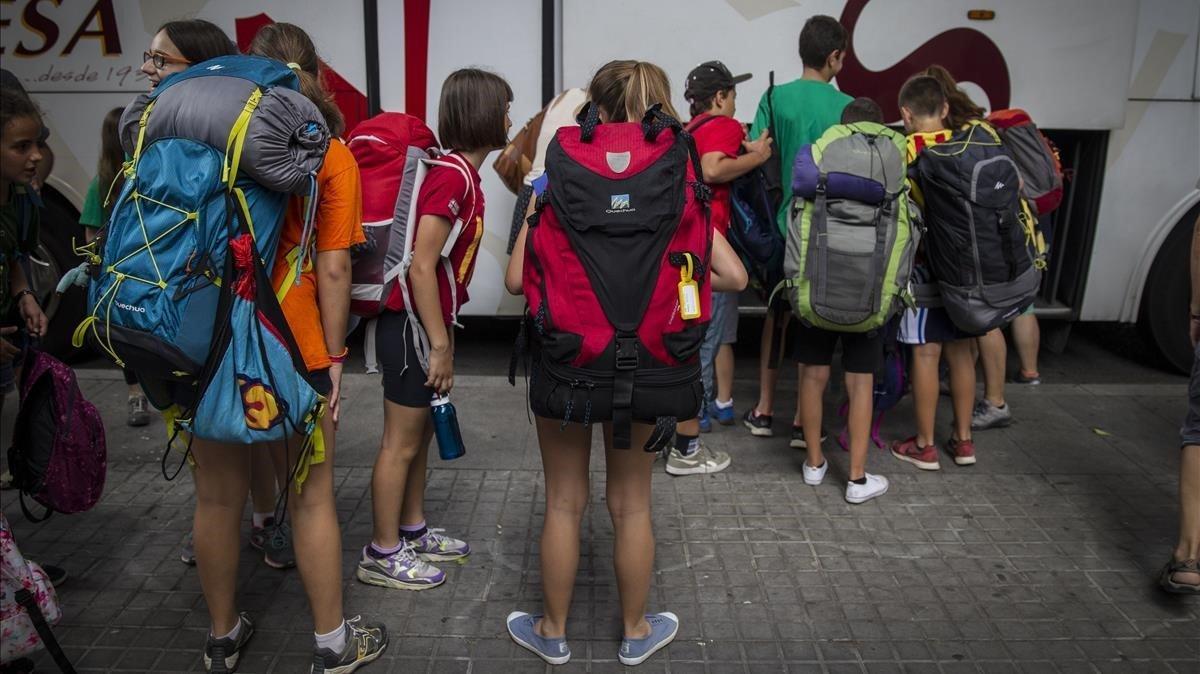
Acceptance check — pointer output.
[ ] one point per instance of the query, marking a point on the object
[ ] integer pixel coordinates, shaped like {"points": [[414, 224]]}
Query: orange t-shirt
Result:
{"points": [[337, 226]]}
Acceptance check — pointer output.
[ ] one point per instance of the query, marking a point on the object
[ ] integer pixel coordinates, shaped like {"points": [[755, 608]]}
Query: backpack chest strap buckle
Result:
{"points": [[627, 353]]}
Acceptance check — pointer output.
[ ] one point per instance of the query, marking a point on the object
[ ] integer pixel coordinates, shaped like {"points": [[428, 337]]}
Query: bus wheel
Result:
{"points": [[1165, 299], [53, 257]]}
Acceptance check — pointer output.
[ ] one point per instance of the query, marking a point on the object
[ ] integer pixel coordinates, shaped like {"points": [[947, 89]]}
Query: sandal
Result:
{"points": [[1168, 583]]}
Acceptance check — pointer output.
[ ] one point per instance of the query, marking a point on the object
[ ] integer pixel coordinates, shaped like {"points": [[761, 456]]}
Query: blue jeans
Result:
{"points": [[721, 330]]}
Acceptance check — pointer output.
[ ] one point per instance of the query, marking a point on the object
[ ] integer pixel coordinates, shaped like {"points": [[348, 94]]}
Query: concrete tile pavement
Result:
{"points": [[1039, 558]]}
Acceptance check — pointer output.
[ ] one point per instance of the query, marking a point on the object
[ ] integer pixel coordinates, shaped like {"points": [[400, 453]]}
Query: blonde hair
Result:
{"points": [[289, 43], [625, 90]]}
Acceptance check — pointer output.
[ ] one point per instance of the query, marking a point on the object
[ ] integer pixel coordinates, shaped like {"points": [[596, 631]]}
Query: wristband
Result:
{"points": [[22, 293], [341, 357]]}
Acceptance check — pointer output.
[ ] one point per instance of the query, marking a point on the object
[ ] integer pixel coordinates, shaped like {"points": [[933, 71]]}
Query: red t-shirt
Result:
{"points": [[458, 199], [725, 135]]}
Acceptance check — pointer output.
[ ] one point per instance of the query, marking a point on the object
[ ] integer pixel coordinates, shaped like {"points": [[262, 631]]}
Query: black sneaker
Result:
{"points": [[364, 643], [221, 655], [759, 424], [55, 574], [798, 441]]}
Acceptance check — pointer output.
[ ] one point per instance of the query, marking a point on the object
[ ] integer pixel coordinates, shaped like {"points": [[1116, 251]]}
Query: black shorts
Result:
{"points": [[862, 352], [403, 378], [320, 381]]}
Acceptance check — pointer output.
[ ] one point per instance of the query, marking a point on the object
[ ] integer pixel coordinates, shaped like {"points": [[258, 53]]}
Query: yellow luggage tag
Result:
{"points": [[689, 292]]}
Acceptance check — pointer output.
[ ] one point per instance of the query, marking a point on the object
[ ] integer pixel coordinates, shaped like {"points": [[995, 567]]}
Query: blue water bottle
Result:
{"points": [[445, 427]]}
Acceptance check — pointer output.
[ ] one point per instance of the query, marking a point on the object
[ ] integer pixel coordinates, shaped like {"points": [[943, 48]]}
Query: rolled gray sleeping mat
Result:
{"points": [[285, 143]]}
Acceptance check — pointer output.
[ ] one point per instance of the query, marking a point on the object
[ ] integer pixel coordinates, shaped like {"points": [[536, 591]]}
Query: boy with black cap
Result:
{"points": [[720, 141]]}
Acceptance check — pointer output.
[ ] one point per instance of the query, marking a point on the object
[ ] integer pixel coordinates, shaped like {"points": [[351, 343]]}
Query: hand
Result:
{"points": [[31, 311], [335, 393], [1194, 329], [8, 350], [760, 147], [441, 370]]}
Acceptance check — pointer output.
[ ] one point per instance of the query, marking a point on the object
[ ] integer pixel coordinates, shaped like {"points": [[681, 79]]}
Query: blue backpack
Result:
{"points": [[181, 292]]}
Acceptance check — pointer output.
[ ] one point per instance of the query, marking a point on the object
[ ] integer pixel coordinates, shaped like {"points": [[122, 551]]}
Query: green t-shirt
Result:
{"points": [[92, 214], [804, 109], [19, 220]]}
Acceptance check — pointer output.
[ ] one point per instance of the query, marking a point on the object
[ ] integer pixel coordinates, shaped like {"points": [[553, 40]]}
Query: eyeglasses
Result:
{"points": [[160, 60]]}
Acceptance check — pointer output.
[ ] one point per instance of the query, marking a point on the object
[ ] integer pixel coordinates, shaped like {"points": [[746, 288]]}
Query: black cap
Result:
{"points": [[708, 78]]}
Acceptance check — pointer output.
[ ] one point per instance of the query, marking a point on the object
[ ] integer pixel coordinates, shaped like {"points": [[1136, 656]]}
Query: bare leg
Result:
{"points": [[565, 454], [628, 496], [962, 385], [798, 420], [264, 471], [724, 370], [926, 358], [812, 389], [1189, 511], [222, 479], [405, 435], [993, 353], [316, 535], [413, 510], [1027, 336], [767, 376], [861, 389]]}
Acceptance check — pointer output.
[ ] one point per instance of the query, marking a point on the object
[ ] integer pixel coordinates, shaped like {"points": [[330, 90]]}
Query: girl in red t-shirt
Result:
{"points": [[416, 343]]}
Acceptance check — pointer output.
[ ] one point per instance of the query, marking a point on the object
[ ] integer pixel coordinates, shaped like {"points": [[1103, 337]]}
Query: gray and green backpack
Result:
{"points": [[852, 232]]}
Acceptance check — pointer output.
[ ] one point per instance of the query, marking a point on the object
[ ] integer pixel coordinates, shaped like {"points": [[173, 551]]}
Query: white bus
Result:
{"points": [[1115, 83]]}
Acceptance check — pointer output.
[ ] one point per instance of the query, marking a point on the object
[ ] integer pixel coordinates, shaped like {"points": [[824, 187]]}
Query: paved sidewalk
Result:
{"points": [[1039, 558]]}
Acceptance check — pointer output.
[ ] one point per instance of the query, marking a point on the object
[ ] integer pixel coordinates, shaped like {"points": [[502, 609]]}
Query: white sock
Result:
{"points": [[233, 633], [724, 404], [260, 519], [334, 641]]}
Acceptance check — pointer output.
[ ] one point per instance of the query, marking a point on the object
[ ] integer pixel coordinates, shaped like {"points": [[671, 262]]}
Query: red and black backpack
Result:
{"points": [[619, 238]]}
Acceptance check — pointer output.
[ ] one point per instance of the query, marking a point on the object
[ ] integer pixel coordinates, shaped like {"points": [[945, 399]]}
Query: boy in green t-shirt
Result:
{"points": [[802, 109]]}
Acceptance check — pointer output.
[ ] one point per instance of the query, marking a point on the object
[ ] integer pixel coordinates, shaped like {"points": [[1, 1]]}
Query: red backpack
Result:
{"points": [[388, 148], [616, 275], [1036, 157]]}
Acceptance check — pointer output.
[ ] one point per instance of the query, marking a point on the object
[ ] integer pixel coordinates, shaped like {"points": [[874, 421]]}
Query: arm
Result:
{"points": [[728, 273], [432, 233], [719, 167], [27, 304], [1194, 323], [333, 302], [516, 263]]}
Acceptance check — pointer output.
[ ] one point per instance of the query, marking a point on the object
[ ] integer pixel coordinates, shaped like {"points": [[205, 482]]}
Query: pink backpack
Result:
{"points": [[29, 606], [58, 456]]}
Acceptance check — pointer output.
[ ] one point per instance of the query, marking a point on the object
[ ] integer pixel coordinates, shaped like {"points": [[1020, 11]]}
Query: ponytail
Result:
{"points": [[289, 43], [962, 108]]}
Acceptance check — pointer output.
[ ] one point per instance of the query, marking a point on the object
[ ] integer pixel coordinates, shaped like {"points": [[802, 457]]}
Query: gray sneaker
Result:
{"points": [[401, 570], [663, 628], [987, 416], [275, 544], [187, 551], [704, 460], [139, 411]]}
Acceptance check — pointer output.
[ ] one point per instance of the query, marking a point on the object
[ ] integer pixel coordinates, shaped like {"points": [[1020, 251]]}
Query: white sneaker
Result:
{"points": [[813, 476], [703, 461], [876, 485]]}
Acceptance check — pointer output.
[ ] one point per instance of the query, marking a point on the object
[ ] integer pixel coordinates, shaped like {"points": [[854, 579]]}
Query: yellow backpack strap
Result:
{"points": [[141, 137], [237, 138], [293, 274]]}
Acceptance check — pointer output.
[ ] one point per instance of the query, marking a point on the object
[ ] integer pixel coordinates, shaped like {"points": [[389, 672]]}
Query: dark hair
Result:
{"points": [[109, 176], [962, 108], [862, 109], [626, 89], [14, 104], [198, 40], [699, 106], [821, 36], [472, 109], [288, 43], [923, 96]]}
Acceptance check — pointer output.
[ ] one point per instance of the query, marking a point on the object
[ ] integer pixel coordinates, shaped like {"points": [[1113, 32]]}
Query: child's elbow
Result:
{"points": [[740, 279]]}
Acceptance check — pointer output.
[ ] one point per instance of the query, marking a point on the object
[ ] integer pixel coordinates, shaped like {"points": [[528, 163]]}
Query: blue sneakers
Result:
{"points": [[663, 627], [553, 651], [724, 416], [705, 421]]}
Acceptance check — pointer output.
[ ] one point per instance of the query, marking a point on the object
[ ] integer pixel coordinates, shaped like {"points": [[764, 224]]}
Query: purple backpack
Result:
{"points": [[58, 456]]}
